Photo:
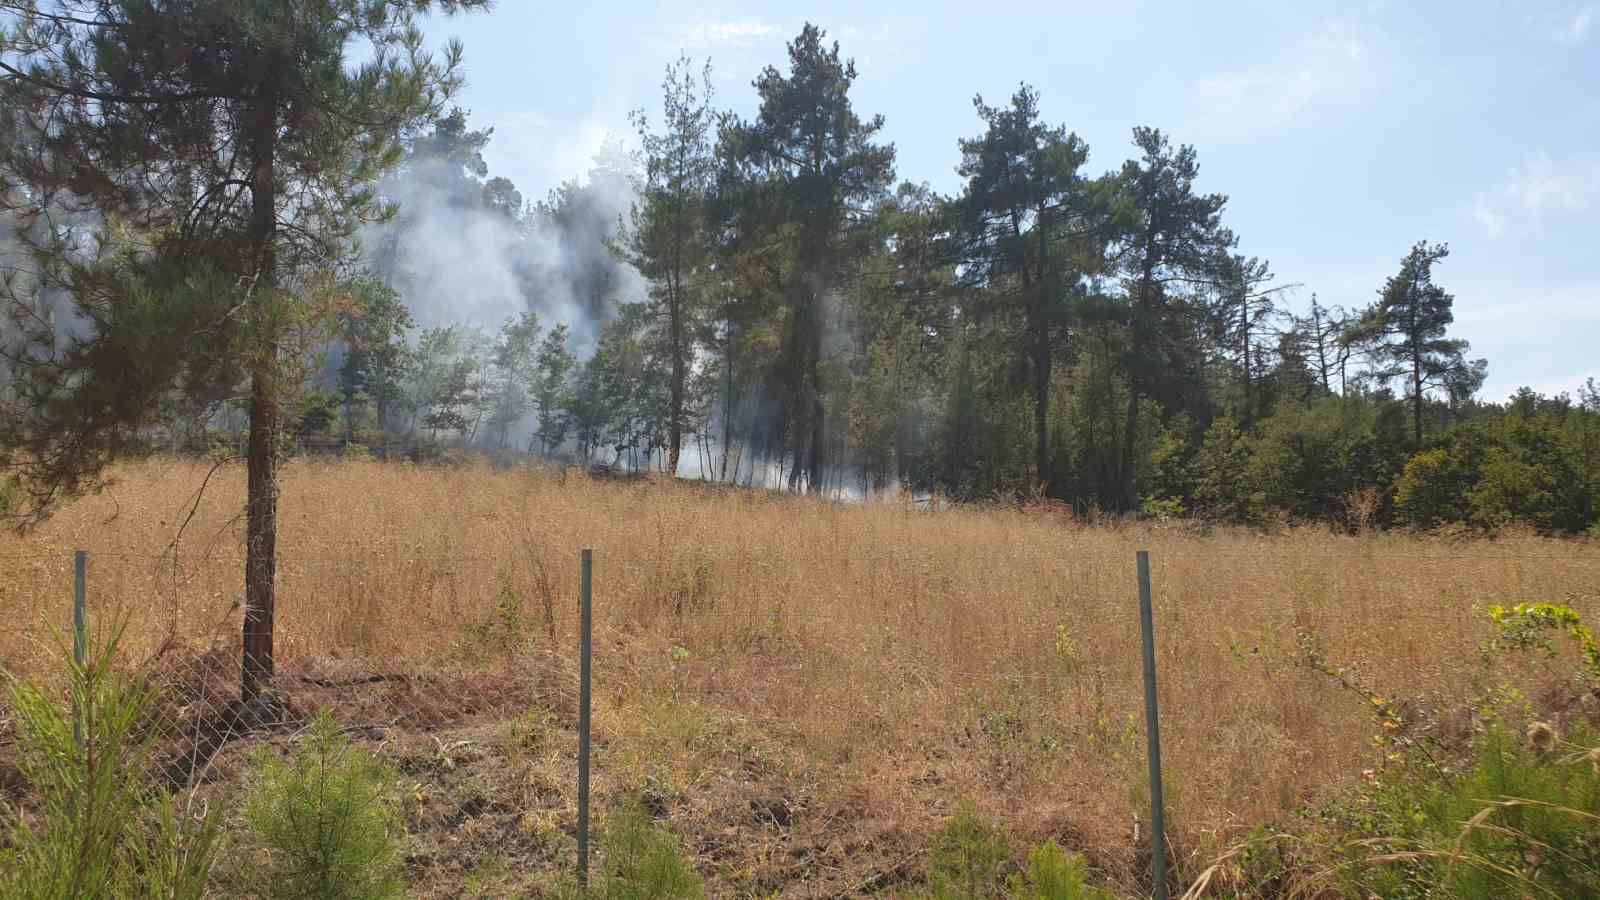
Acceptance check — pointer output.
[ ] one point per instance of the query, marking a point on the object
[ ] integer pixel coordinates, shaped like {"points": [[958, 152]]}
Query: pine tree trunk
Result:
{"points": [[261, 520], [675, 426], [1130, 430], [1041, 403], [818, 413], [1414, 336], [727, 408], [1040, 327], [1416, 397], [1130, 433]]}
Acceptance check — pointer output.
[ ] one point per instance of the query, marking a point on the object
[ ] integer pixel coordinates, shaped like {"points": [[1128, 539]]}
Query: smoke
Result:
{"points": [[461, 255]]}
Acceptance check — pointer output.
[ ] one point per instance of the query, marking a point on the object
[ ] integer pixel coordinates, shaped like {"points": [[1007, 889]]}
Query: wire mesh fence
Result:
{"points": [[370, 627], [1031, 652]]}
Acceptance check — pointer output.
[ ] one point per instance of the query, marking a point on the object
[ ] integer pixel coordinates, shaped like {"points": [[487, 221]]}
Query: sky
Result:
{"points": [[1342, 133]]}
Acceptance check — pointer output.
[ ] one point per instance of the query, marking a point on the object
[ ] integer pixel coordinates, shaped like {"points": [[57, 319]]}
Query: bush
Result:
{"points": [[101, 830], [327, 822], [1495, 474], [1522, 822], [1055, 874], [973, 859], [640, 860], [1431, 490], [970, 858]]}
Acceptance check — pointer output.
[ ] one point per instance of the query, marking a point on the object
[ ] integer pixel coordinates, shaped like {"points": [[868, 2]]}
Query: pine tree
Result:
{"points": [[1403, 334], [667, 241], [1031, 229], [554, 365], [1174, 238], [226, 147], [795, 182]]}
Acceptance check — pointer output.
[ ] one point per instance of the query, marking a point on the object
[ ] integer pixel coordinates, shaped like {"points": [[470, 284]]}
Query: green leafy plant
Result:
{"points": [[327, 821], [640, 860], [1526, 626], [99, 829]]}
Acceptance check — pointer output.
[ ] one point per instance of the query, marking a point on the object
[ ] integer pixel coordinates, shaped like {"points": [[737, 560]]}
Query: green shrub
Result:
{"points": [[327, 821], [971, 858], [1524, 627], [1531, 471], [1055, 874], [1522, 822], [100, 831], [639, 860], [1224, 488], [1431, 490]]}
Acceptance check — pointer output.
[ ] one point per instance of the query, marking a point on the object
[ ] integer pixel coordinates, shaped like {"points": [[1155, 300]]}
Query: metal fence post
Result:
{"points": [[80, 628], [1158, 825], [585, 647]]}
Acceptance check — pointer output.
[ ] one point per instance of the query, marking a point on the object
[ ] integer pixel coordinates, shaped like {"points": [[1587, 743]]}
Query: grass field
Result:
{"points": [[804, 690]]}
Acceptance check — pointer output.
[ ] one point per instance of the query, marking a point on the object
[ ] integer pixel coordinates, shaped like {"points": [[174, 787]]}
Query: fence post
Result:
{"points": [[80, 628], [585, 647], [1158, 825]]}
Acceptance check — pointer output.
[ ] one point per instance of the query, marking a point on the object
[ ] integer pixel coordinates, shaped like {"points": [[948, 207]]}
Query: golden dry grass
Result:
{"points": [[899, 658]]}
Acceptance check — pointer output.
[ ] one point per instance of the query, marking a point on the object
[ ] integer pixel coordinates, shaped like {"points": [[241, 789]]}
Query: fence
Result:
{"points": [[411, 647]]}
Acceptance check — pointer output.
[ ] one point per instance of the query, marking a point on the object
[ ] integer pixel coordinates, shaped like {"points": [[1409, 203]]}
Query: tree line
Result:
{"points": [[200, 217], [1092, 338]]}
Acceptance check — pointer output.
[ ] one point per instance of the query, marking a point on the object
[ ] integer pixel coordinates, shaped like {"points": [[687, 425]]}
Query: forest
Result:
{"points": [[760, 301], [379, 491]]}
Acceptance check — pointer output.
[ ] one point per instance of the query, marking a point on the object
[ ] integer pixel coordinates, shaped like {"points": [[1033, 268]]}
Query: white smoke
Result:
{"points": [[457, 261]]}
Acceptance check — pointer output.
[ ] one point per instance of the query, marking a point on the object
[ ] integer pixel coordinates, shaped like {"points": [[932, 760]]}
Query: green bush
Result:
{"points": [[1522, 822], [640, 860], [1223, 487], [327, 821], [1493, 474], [1055, 874], [971, 858], [1431, 490], [100, 829]]}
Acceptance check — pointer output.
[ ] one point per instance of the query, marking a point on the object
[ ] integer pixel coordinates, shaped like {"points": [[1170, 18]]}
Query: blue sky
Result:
{"points": [[1341, 132]]}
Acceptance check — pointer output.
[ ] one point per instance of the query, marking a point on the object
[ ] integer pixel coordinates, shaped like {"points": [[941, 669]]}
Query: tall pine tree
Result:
{"points": [[1404, 334], [798, 182], [226, 147]]}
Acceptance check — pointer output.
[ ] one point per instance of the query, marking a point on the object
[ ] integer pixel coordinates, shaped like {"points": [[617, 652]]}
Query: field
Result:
{"points": [[804, 690]]}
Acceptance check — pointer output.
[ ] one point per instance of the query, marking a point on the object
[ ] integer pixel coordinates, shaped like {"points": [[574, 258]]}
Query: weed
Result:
{"points": [[972, 859], [1522, 822], [1053, 873]]}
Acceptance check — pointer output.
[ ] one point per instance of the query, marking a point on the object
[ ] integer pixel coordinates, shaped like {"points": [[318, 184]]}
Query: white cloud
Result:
{"points": [[1535, 334], [1329, 64], [732, 33], [1492, 221], [1569, 28], [1540, 188]]}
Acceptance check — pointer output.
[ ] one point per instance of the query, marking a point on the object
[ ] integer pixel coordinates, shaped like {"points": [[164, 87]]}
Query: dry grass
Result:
{"points": [[861, 667]]}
